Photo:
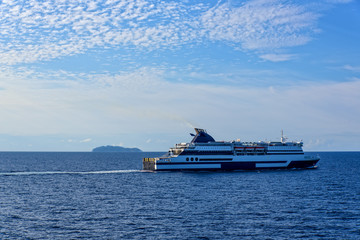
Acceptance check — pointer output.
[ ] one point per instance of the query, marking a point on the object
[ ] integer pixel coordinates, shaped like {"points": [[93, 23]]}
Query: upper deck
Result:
{"points": [[204, 144]]}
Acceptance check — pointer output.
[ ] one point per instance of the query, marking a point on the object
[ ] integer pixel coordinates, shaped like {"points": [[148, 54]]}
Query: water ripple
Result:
{"points": [[81, 196]]}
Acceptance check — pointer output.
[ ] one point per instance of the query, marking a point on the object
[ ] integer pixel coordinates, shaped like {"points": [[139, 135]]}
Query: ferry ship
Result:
{"points": [[203, 153]]}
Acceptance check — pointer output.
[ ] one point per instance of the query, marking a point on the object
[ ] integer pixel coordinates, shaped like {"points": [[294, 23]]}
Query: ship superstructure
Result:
{"points": [[204, 153]]}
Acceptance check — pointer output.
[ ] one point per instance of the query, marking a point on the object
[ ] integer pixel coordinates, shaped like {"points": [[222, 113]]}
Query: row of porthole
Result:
{"points": [[192, 159]]}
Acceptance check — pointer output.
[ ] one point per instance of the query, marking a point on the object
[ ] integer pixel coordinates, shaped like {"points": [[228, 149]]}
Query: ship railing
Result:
{"points": [[181, 145]]}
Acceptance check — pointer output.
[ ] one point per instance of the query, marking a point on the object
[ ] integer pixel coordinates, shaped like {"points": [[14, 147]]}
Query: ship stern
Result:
{"points": [[149, 164]]}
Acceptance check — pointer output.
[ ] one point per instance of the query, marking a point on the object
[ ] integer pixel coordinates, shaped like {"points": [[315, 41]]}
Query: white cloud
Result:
{"points": [[338, 1], [33, 31], [86, 140], [352, 68], [277, 57], [143, 104], [261, 24]]}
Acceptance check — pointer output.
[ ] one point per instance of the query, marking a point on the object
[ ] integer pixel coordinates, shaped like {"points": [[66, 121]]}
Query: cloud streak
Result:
{"points": [[277, 57]]}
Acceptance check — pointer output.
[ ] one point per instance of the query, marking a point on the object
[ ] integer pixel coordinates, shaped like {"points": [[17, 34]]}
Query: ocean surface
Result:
{"points": [[51, 195]]}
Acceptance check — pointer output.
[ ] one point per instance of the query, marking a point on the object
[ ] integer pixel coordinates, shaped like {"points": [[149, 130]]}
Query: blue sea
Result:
{"points": [[50, 195]]}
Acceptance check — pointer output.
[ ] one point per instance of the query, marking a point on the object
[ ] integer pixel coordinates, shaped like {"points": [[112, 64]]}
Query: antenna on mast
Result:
{"points": [[283, 139]]}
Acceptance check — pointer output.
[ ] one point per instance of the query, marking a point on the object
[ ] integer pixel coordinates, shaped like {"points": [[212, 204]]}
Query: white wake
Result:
{"points": [[60, 172]]}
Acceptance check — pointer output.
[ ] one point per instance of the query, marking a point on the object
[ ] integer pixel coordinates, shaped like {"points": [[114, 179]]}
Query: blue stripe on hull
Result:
{"points": [[198, 153], [236, 164], [284, 153], [184, 163], [189, 169]]}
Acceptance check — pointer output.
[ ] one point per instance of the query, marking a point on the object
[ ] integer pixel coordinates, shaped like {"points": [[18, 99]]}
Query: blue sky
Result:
{"points": [[75, 75]]}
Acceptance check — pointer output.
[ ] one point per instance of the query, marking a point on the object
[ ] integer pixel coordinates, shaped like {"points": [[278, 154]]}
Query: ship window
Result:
{"points": [[196, 159], [192, 159], [187, 159]]}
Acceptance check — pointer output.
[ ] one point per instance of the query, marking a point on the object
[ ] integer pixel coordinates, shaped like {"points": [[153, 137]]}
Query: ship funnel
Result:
{"points": [[202, 136], [199, 130]]}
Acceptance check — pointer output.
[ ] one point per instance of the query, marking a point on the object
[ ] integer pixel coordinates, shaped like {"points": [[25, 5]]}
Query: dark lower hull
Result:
{"points": [[225, 166]]}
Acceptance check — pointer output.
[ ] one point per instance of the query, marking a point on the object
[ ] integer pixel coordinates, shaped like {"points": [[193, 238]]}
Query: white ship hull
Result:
{"points": [[227, 163], [204, 153]]}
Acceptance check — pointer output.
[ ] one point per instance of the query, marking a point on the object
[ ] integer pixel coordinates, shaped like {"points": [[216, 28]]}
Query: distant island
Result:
{"points": [[115, 149]]}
